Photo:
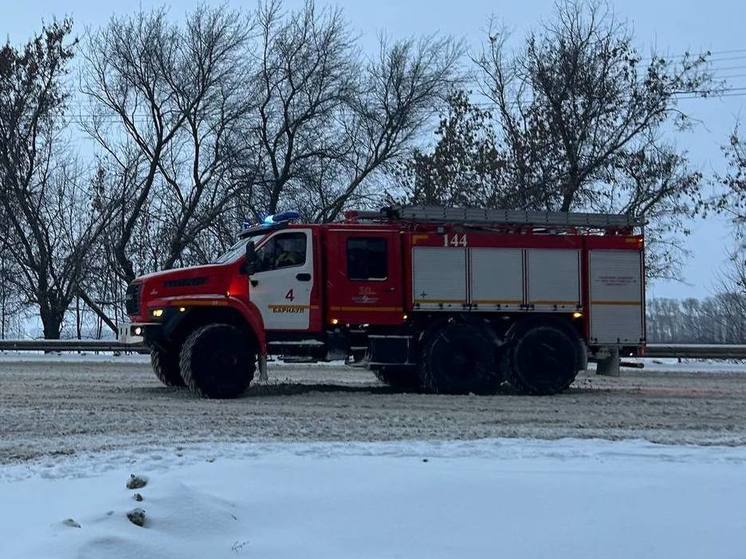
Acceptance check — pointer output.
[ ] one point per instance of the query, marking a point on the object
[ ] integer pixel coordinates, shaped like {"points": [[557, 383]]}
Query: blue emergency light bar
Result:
{"points": [[282, 217], [270, 222]]}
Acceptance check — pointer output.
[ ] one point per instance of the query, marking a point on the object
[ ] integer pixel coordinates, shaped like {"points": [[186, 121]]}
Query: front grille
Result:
{"points": [[186, 282], [132, 299]]}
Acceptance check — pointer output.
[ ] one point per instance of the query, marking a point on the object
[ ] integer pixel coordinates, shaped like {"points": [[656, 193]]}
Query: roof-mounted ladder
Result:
{"points": [[478, 216]]}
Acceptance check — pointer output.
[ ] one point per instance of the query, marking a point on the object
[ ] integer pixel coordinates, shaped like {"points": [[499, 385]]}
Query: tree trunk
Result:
{"points": [[52, 323], [77, 317], [2, 310]]}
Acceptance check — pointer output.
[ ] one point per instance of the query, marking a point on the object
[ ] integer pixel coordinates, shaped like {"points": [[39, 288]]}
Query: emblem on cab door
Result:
{"points": [[366, 296]]}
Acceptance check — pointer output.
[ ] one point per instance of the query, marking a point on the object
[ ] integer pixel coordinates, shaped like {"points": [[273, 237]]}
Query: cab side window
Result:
{"points": [[367, 258], [284, 250]]}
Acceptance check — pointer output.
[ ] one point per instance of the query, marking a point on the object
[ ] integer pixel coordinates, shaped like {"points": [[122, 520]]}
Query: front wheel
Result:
{"points": [[218, 361], [166, 366]]}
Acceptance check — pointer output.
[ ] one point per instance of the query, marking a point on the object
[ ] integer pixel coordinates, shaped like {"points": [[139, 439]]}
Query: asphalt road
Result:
{"points": [[61, 406]]}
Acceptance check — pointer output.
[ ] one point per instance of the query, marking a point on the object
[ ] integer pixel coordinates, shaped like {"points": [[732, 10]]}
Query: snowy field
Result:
{"points": [[491, 498]]}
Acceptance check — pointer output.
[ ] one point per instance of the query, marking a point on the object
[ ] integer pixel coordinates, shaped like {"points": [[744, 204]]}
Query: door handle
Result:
{"points": [[303, 276]]}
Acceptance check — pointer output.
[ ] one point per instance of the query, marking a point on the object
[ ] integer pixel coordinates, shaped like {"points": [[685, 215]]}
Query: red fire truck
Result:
{"points": [[443, 300]]}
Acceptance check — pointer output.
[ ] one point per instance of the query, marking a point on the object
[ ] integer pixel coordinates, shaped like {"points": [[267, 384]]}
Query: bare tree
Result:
{"points": [[577, 119], [656, 181], [466, 166], [166, 100], [11, 303], [400, 93], [328, 119], [304, 76], [732, 284], [732, 201], [53, 220], [579, 96]]}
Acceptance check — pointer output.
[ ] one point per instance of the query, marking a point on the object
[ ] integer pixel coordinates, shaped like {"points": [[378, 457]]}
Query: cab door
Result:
{"points": [[365, 284], [283, 281]]}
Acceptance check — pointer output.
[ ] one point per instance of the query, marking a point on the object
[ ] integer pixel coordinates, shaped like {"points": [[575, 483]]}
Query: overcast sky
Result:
{"points": [[672, 26]]}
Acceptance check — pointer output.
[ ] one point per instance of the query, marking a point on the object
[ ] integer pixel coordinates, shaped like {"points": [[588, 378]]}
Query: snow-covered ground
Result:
{"points": [[257, 477], [672, 365], [491, 498]]}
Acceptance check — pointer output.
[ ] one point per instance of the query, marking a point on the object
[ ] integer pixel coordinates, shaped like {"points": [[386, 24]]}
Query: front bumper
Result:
{"points": [[134, 332]]}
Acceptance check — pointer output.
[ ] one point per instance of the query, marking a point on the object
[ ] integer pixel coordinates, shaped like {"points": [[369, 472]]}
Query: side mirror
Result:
{"points": [[251, 264]]}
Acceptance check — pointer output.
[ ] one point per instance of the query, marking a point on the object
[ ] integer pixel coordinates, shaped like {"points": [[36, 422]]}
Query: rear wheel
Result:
{"points": [[166, 366], [542, 358], [218, 361], [401, 378], [459, 358]]}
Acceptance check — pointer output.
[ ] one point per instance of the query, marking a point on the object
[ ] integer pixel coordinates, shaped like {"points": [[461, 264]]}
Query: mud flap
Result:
{"points": [[263, 368]]}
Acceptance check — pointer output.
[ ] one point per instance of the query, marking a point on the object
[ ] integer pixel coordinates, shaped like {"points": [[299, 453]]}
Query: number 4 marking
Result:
{"points": [[290, 296]]}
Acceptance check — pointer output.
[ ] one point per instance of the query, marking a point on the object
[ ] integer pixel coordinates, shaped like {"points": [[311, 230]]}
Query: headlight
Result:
{"points": [[157, 313]]}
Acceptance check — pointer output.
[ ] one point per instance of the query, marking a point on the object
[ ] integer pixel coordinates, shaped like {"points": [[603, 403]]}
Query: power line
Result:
{"points": [[731, 51], [707, 53], [727, 59], [712, 57], [712, 96], [736, 91], [725, 68], [713, 93]]}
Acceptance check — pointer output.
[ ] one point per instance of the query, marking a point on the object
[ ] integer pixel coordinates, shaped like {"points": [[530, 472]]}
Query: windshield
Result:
{"points": [[237, 250], [233, 253]]}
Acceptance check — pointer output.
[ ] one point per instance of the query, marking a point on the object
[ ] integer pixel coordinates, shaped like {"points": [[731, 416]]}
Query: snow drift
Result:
{"points": [[494, 498]]}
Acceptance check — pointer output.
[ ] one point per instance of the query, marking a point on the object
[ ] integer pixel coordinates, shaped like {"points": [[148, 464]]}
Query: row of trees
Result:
{"points": [[200, 123], [715, 320]]}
